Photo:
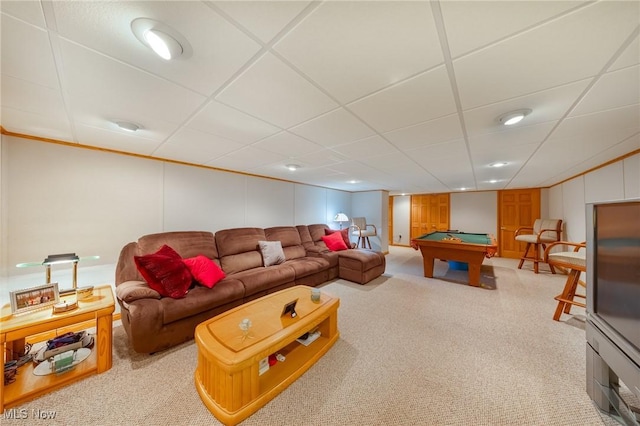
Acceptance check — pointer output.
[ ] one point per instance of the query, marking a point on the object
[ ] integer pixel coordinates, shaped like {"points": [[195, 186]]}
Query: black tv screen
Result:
{"points": [[617, 268]]}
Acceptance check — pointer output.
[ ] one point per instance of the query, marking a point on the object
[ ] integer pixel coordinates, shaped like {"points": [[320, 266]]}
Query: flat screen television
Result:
{"points": [[613, 301]]}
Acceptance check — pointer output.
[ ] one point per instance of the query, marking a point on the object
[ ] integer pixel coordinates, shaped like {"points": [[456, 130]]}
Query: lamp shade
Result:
{"points": [[341, 217]]}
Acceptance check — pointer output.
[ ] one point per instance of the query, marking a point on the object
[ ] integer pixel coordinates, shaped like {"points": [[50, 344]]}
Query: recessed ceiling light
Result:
{"points": [[292, 167], [353, 181], [513, 117], [163, 44], [127, 125], [493, 181], [161, 38], [498, 164], [463, 189]]}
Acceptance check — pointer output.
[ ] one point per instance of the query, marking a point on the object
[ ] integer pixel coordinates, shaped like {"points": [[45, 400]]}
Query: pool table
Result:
{"points": [[457, 246]]}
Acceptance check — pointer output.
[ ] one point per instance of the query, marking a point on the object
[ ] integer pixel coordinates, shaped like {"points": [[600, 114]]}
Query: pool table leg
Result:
{"points": [[427, 265], [474, 274]]}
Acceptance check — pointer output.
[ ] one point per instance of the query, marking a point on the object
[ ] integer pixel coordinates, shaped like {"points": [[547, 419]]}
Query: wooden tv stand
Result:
{"points": [[227, 376]]}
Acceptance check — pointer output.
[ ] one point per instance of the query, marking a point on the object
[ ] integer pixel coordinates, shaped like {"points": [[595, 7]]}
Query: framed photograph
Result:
{"points": [[290, 308], [34, 298]]}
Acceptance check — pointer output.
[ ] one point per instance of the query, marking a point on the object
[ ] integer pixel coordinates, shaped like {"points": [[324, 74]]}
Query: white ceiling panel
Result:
{"points": [[217, 48], [590, 35], [427, 133], [114, 89], [288, 144], [268, 80], [264, 19], [29, 11], [333, 128], [391, 41], [119, 141], [230, 123], [629, 57], [364, 148], [413, 101], [473, 24], [42, 125], [395, 95], [612, 90], [547, 105], [37, 67]]}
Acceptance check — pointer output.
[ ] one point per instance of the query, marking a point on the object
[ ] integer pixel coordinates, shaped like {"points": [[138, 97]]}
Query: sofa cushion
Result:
{"points": [[165, 272], [272, 253], [201, 299], [238, 249], [265, 279], [334, 242], [289, 237], [308, 266], [129, 291], [185, 243], [343, 232], [204, 270]]}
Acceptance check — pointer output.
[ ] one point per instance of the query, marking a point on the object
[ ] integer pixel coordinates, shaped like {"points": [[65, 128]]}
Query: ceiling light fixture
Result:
{"points": [[513, 117], [163, 44], [498, 164], [161, 38], [292, 167], [128, 126]]}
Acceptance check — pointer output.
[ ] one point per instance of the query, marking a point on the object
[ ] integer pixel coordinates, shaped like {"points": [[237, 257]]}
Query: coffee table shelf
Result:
{"points": [[227, 376]]}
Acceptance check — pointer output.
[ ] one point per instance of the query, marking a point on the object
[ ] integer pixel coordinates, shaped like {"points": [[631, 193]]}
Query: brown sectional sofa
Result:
{"points": [[154, 323]]}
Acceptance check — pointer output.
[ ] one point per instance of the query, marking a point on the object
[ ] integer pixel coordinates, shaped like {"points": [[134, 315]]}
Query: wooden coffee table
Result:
{"points": [[227, 376]]}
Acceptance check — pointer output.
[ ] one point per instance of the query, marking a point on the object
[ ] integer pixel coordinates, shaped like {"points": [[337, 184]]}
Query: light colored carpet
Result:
{"points": [[412, 351]]}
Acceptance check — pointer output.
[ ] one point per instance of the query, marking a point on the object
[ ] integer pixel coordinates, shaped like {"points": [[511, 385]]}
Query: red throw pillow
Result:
{"points": [[204, 270], [334, 242], [165, 272], [343, 232]]}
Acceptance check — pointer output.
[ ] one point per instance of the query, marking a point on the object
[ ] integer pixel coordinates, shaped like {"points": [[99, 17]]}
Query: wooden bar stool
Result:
{"points": [[575, 262], [543, 232]]}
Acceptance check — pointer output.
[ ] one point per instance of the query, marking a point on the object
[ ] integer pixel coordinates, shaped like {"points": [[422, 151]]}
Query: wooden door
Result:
{"points": [[429, 213], [516, 208], [390, 221]]}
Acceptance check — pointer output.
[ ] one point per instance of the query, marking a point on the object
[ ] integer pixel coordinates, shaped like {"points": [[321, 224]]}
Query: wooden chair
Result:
{"points": [[575, 262], [543, 232], [360, 230]]}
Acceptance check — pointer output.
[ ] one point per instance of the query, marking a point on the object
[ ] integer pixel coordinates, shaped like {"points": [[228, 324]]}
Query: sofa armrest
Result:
{"points": [[130, 291]]}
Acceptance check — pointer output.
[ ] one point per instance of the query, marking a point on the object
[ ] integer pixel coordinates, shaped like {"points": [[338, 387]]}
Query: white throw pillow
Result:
{"points": [[272, 253]]}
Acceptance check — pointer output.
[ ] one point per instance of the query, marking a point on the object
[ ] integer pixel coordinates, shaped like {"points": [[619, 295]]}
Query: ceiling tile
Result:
{"points": [[364, 148], [265, 19], [509, 137], [120, 141], [630, 56], [564, 50], [427, 133], [472, 24], [625, 120], [246, 159], [230, 123], [112, 89], [288, 144], [28, 123], [26, 53], [333, 128], [26, 96], [547, 105], [373, 44], [419, 99], [215, 146], [612, 90], [273, 92], [30, 11], [218, 49]]}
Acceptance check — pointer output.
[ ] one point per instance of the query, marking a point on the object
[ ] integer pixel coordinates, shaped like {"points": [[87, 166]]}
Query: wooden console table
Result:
{"points": [[228, 378], [15, 329]]}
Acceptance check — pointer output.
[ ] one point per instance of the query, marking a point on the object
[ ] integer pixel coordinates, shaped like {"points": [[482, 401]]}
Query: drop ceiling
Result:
{"points": [[382, 95]]}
